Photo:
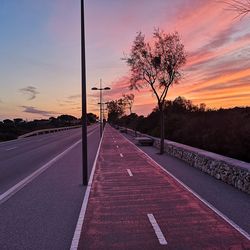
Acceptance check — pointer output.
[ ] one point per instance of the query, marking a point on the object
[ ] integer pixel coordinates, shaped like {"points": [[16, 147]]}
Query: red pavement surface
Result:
{"points": [[116, 215]]}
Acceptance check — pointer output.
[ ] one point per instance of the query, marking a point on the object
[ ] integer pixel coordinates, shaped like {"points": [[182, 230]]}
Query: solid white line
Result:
{"points": [[10, 192], [8, 149], [224, 217], [91, 132], [41, 139], [27, 139], [121, 154], [157, 229], [77, 234], [129, 172]]}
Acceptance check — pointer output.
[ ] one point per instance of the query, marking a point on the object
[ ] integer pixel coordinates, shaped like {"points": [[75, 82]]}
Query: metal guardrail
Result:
{"points": [[47, 131]]}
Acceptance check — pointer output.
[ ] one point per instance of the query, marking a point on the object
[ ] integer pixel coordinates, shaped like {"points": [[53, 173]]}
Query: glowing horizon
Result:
{"points": [[40, 53]]}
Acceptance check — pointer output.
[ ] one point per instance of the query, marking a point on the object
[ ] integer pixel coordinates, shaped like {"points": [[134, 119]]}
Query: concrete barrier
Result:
{"points": [[46, 131], [231, 171]]}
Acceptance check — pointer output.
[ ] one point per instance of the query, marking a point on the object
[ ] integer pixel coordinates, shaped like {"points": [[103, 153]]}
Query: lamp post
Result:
{"points": [[101, 89], [102, 108], [105, 113], [84, 101]]}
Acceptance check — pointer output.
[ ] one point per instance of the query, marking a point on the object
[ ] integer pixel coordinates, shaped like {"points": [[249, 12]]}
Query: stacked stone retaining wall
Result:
{"points": [[228, 170]]}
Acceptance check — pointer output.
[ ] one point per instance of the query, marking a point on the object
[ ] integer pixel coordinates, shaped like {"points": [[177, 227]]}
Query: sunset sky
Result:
{"points": [[40, 53]]}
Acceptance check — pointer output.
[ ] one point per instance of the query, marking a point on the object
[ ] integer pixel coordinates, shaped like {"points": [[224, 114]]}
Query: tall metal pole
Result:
{"points": [[100, 107], [84, 102]]}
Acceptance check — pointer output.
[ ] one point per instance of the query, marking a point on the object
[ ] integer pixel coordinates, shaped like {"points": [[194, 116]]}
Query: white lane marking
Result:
{"points": [[8, 149], [157, 229], [28, 139], [129, 172], [6, 195], [42, 139], [121, 154], [77, 233], [117, 146], [10, 192], [8, 142], [224, 217]]}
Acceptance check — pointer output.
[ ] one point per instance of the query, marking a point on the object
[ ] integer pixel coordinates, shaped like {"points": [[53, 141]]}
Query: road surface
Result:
{"points": [[43, 214], [135, 204], [232, 202]]}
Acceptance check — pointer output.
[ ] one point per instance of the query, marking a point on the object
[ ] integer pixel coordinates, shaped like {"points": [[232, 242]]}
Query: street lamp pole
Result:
{"points": [[84, 102], [102, 113], [100, 103], [101, 127]]}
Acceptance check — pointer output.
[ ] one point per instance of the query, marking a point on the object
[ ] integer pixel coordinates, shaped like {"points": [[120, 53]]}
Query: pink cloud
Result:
{"points": [[216, 45]]}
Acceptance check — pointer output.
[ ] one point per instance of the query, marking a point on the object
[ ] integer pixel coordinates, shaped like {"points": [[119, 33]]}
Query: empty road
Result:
{"points": [[42, 208]]}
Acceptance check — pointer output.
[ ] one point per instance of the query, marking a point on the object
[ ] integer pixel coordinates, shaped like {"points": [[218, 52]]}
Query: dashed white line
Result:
{"points": [[224, 217], [157, 229], [121, 154], [129, 172], [8, 149]]}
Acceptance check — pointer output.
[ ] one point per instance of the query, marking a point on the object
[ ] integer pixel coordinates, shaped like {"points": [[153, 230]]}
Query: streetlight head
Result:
{"points": [[94, 88], [107, 88]]}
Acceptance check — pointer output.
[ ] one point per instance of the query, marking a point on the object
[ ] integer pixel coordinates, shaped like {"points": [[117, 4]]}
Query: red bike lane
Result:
{"points": [[134, 204]]}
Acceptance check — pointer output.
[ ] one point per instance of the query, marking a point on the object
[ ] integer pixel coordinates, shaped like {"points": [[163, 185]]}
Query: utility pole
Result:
{"points": [[84, 102]]}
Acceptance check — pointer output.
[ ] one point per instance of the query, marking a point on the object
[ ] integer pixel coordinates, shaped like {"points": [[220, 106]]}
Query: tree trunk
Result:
{"points": [[162, 130]]}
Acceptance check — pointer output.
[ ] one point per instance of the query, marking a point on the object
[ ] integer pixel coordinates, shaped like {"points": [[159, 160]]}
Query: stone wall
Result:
{"points": [[228, 170]]}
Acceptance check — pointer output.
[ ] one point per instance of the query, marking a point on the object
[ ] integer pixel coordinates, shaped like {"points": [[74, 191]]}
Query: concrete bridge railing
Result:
{"points": [[231, 171], [46, 131]]}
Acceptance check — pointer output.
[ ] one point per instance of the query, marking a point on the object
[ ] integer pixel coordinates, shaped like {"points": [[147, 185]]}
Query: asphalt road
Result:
{"points": [[44, 213], [230, 201]]}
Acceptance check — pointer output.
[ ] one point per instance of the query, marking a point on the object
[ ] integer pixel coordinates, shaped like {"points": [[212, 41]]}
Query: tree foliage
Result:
{"points": [[128, 100], [66, 118], [91, 118], [116, 109], [241, 8], [156, 65], [223, 131], [11, 129]]}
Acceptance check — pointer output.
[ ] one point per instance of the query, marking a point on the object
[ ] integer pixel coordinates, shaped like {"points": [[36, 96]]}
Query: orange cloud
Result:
{"points": [[217, 70]]}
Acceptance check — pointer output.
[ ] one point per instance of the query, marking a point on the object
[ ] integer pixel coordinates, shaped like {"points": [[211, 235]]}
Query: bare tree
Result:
{"points": [[241, 7], [129, 101], [157, 65]]}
